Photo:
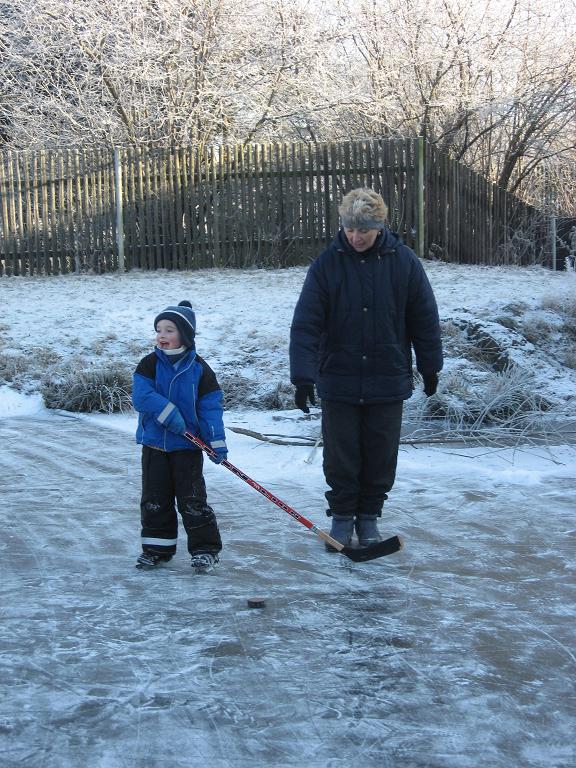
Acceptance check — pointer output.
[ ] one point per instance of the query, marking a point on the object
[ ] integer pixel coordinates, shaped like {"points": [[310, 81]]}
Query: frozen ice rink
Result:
{"points": [[458, 652]]}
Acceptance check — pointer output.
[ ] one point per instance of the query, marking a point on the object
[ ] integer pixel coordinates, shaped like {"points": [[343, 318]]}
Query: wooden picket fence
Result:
{"points": [[57, 212], [264, 205], [470, 220]]}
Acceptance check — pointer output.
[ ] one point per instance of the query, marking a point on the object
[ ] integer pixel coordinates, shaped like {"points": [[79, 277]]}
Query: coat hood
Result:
{"points": [[386, 241]]}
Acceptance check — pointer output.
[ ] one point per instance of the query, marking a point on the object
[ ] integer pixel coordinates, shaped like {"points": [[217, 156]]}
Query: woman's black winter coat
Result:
{"points": [[357, 319]]}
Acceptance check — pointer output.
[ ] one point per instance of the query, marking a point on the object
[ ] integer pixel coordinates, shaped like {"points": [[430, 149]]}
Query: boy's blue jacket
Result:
{"points": [[191, 386], [357, 320]]}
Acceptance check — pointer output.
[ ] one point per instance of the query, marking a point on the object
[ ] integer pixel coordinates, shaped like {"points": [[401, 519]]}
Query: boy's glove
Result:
{"points": [[430, 384], [304, 393], [221, 453], [174, 422]]}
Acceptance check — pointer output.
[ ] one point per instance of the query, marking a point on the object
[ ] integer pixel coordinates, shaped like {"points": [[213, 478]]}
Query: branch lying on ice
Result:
{"points": [[276, 439], [494, 436]]}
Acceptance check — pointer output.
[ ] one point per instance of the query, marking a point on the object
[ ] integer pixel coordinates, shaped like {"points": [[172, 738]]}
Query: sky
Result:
{"points": [[456, 652]]}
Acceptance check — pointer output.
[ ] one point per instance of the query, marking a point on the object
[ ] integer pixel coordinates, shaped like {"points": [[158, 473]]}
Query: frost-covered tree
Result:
{"points": [[158, 71], [491, 82]]}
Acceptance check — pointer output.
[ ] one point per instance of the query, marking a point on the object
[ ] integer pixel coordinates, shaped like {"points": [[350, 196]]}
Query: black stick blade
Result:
{"points": [[373, 551]]}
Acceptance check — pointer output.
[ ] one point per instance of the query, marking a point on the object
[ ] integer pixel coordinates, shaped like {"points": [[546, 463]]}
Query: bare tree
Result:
{"points": [[490, 82], [158, 71], [122, 71]]}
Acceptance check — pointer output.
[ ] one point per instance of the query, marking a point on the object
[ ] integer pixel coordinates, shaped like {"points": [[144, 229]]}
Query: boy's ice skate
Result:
{"points": [[148, 560], [202, 562]]}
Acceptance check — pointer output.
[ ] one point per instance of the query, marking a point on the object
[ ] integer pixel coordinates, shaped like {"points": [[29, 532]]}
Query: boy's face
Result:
{"points": [[167, 335]]}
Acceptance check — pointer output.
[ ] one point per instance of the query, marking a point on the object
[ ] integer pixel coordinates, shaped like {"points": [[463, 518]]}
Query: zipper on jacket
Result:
{"points": [[190, 363]]}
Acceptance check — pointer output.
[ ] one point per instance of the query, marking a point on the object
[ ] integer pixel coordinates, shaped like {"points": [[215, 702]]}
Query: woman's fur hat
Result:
{"points": [[363, 209]]}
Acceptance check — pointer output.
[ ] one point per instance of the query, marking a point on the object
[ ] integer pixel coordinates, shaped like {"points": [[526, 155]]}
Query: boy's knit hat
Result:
{"points": [[183, 318]]}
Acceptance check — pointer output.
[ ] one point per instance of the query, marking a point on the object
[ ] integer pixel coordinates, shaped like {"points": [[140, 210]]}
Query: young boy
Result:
{"points": [[176, 391]]}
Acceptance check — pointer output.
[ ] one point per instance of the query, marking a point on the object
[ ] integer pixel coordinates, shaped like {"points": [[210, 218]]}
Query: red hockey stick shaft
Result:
{"points": [[270, 496], [358, 554]]}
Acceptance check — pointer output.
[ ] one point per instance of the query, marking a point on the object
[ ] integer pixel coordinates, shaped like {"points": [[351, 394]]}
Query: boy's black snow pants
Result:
{"points": [[175, 477], [360, 455]]}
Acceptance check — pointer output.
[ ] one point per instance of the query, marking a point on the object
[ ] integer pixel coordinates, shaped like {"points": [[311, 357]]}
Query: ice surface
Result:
{"points": [[457, 652]]}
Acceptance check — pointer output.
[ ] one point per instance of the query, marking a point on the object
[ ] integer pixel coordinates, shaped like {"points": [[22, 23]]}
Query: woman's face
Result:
{"points": [[361, 239]]}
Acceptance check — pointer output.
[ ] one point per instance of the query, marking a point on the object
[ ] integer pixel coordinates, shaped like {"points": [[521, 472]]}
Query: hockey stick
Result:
{"points": [[358, 554]]}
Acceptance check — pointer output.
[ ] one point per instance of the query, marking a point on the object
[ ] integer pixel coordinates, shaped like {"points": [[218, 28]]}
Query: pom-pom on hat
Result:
{"points": [[363, 209], [183, 318]]}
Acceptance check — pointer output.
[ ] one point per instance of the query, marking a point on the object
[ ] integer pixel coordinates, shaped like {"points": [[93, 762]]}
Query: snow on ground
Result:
{"points": [[244, 316], [14, 403], [457, 652]]}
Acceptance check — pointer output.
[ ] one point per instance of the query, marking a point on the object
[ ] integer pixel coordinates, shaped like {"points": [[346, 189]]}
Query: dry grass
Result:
{"points": [[564, 303], [105, 389], [497, 406]]}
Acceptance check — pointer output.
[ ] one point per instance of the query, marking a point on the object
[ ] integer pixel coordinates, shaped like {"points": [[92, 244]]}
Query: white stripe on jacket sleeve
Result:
{"points": [[166, 412]]}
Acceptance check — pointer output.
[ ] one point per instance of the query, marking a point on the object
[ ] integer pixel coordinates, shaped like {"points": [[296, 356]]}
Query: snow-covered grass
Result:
{"points": [[509, 336]]}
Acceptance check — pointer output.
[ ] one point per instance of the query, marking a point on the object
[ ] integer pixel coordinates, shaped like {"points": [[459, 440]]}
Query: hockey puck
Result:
{"points": [[256, 602]]}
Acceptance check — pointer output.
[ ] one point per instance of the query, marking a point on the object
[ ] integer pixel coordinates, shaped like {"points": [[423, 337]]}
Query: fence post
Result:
{"points": [[553, 240], [420, 198], [119, 209]]}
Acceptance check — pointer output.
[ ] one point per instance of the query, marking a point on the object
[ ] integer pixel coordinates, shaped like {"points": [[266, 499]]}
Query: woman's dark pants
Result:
{"points": [[360, 455]]}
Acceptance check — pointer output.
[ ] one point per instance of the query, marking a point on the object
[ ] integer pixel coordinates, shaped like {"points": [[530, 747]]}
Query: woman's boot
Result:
{"points": [[367, 530], [342, 530]]}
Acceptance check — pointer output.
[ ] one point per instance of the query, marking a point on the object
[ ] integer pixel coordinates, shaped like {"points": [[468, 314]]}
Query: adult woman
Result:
{"points": [[365, 304]]}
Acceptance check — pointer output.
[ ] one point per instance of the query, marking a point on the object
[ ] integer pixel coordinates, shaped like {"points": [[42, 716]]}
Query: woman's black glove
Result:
{"points": [[430, 384], [304, 393]]}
